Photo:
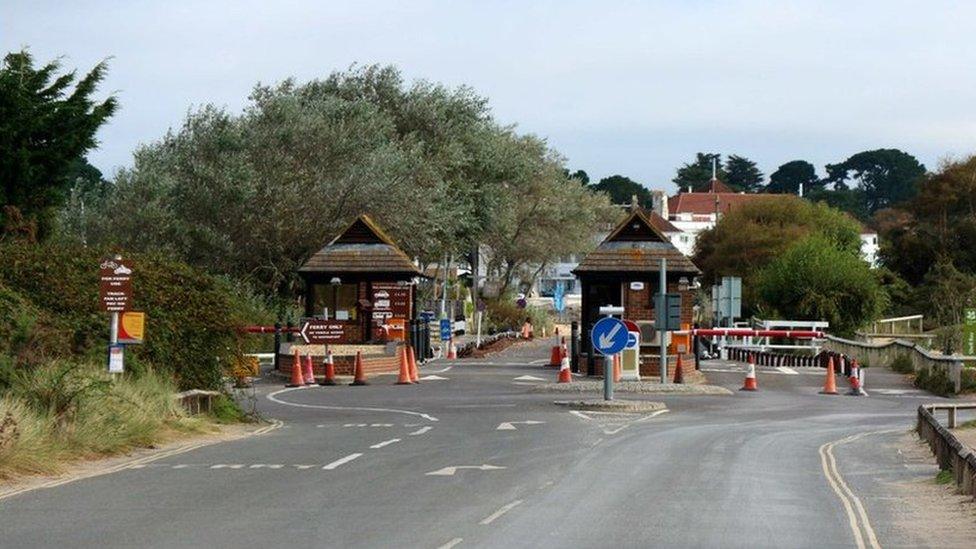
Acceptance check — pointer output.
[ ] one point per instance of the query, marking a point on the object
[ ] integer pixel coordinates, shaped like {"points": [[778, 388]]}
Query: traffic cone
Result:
{"points": [[451, 350], [404, 377], [679, 374], [296, 371], [617, 370], [329, 364], [750, 383], [307, 372], [830, 384], [855, 379], [564, 374], [412, 360], [555, 357], [360, 373]]}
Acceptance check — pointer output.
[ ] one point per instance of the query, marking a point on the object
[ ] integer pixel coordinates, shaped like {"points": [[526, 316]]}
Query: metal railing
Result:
{"points": [[951, 454]]}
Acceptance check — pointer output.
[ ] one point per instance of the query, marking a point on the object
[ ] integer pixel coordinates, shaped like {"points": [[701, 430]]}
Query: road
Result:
{"points": [[479, 459]]}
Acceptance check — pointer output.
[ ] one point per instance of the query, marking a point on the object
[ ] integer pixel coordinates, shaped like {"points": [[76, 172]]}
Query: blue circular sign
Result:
{"points": [[609, 336]]}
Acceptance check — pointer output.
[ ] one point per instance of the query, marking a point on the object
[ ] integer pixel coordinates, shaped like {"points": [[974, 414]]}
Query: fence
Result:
{"points": [[884, 354], [951, 454]]}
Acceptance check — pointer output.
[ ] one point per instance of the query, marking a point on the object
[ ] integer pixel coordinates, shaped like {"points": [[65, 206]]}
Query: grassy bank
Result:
{"points": [[65, 410]]}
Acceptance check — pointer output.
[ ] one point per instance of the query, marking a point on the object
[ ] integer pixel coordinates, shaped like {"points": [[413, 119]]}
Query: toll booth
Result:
{"points": [[623, 271]]}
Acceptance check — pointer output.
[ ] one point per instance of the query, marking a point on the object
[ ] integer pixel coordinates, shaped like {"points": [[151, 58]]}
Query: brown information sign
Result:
{"points": [[317, 332], [114, 285]]}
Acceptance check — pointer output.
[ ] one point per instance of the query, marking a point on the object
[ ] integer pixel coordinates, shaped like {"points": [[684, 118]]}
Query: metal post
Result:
{"points": [[608, 377], [113, 338], [444, 288], [574, 347], [289, 336], [277, 343], [662, 318]]}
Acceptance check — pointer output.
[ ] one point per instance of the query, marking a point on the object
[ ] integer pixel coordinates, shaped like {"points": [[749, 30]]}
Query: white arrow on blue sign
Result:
{"points": [[609, 336]]}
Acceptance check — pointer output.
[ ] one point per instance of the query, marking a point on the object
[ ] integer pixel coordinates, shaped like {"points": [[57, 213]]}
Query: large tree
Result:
{"points": [[621, 189], [698, 173], [788, 177], [885, 176], [742, 174], [48, 122]]}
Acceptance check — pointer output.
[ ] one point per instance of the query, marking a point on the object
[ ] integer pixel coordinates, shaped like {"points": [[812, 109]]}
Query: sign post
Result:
{"points": [[114, 296], [609, 336], [662, 320]]}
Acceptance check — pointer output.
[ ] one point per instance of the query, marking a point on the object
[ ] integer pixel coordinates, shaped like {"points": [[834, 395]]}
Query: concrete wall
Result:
{"points": [[883, 354]]}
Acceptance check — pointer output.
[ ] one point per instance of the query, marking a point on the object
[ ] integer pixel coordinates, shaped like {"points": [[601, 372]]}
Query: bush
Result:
{"points": [[968, 384], [937, 382], [503, 314], [192, 318], [903, 365]]}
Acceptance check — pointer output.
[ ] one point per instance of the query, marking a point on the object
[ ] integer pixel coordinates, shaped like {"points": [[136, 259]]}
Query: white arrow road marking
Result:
{"points": [[510, 425], [451, 543], [420, 431], [788, 370], [340, 461], [505, 508], [384, 443], [433, 377], [449, 471], [528, 378], [273, 397], [606, 340]]}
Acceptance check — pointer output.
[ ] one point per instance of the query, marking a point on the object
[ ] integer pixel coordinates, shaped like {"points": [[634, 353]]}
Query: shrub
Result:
{"points": [[968, 384], [902, 364], [503, 314], [937, 382]]}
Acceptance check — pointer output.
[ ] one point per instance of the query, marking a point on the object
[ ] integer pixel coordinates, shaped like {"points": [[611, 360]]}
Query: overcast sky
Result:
{"points": [[634, 88]]}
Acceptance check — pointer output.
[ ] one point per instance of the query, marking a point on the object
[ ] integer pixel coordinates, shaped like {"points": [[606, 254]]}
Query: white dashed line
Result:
{"points": [[228, 466], [340, 461], [420, 431], [384, 443], [451, 543], [506, 508]]}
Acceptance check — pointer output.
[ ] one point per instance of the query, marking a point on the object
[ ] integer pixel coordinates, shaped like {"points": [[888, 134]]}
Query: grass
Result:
{"points": [[65, 410], [944, 477]]}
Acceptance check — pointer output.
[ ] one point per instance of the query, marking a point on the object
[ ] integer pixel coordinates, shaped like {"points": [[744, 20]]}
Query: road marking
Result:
{"points": [[451, 543], [379, 445], [449, 471], [228, 466], [433, 377], [528, 378], [381, 425], [510, 425], [844, 492], [340, 461], [441, 371], [481, 406], [788, 370], [273, 397], [420, 431], [505, 508]]}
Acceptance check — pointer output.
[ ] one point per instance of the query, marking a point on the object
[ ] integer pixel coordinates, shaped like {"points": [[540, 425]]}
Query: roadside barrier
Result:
{"points": [[360, 378], [565, 376], [307, 371], [750, 383], [412, 361], [329, 364], [451, 350], [855, 380], [296, 371], [679, 374], [404, 377], [951, 454], [830, 383], [555, 357]]}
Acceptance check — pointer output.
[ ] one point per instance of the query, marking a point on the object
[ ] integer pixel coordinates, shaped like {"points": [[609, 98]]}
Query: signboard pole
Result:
{"points": [[662, 318]]}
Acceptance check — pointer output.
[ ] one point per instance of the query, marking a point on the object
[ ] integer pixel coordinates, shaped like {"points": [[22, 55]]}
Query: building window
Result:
{"points": [[336, 302]]}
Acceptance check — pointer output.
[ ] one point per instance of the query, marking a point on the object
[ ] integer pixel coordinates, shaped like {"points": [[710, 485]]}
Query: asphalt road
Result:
{"points": [[435, 465]]}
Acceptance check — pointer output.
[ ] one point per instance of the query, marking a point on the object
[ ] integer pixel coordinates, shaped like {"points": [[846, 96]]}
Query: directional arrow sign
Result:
{"points": [[609, 336], [510, 425], [449, 471]]}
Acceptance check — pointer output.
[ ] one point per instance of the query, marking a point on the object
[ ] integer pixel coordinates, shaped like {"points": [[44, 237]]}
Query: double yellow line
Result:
{"points": [[857, 517]]}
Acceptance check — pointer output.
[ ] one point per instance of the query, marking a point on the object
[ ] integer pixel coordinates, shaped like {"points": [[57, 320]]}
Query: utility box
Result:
{"points": [[630, 358]]}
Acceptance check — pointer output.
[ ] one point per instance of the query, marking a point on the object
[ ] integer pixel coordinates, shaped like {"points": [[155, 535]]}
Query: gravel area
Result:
{"points": [[613, 405], [642, 387]]}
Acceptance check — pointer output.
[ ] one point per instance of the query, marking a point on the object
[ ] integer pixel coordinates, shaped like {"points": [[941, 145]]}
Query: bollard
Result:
{"points": [[574, 347], [277, 345]]}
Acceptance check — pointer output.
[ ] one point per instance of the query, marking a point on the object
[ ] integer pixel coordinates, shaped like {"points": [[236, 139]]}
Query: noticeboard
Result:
{"points": [[318, 331], [132, 327], [114, 285], [969, 332]]}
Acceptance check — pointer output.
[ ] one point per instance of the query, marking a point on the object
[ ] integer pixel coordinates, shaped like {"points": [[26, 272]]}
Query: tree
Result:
{"points": [[621, 189], [788, 178], [45, 127], [742, 174], [579, 175], [815, 280], [885, 176], [698, 174], [748, 238]]}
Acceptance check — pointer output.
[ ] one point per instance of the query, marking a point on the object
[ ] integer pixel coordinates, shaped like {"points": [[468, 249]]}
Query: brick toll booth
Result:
{"points": [[624, 271], [359, 297]]}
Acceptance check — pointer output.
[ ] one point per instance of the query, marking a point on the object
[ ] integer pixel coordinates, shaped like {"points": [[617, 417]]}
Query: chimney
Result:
{"points": [[801, 189], [634, 205], [659, 203]]}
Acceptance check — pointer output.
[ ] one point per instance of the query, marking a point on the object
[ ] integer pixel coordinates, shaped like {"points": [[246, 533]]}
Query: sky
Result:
{"points": [[631, 88]]}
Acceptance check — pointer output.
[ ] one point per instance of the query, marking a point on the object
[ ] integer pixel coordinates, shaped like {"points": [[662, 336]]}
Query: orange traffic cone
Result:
{"points": [[679, 374], [412, 361], [296, 371], [329, 364], [404, 377], [855, 379], [360, 373], [307, 372], [830, 384], [750, 382], [564, 374], [617, 373], [451, 350], [555, 357]]}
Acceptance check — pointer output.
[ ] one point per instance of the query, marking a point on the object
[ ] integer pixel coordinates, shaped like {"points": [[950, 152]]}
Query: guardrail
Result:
{"points": [[197, 401], [951, 454], [884, 354]]}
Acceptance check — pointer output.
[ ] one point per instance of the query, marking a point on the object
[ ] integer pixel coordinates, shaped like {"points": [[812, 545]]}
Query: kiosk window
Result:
{"points": [[336, 302]]}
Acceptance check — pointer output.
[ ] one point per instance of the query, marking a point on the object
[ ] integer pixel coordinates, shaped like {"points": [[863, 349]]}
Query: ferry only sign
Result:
{"points": [[114, 285]]}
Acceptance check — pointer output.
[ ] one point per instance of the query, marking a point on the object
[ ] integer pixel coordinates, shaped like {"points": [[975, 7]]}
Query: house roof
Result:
{"points": [[660, 223], [362, 248], [635, 245], [707, 203]]}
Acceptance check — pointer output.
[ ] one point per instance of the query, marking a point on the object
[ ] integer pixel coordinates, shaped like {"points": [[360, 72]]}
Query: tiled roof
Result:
{"points": [[705, 203], [362, 248], [635, 245]]}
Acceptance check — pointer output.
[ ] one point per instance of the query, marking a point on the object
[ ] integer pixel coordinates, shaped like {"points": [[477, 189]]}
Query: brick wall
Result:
{"points": [[345, 365], [639, 304]]}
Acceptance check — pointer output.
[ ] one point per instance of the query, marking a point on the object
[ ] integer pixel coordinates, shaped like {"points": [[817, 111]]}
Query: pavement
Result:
{"points": [[474, 457]]}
